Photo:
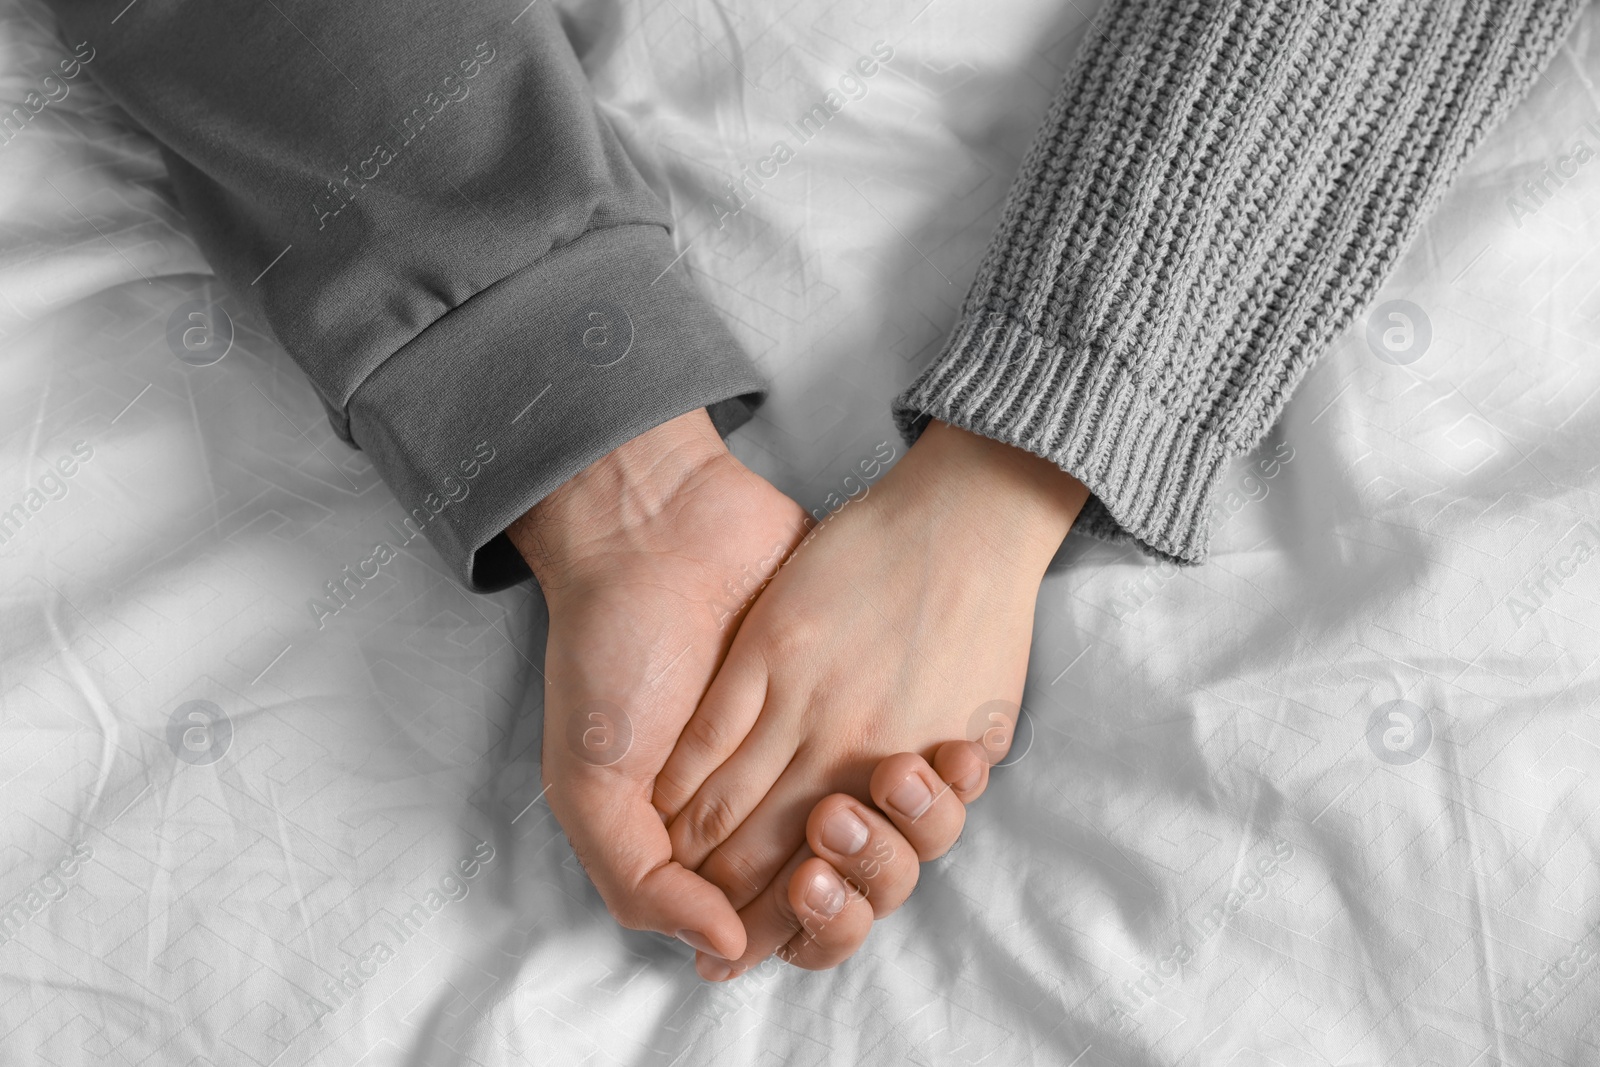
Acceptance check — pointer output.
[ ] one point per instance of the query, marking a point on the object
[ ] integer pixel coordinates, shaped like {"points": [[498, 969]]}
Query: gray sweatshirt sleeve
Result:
{"points": [[1217, 192], [421, 203]]}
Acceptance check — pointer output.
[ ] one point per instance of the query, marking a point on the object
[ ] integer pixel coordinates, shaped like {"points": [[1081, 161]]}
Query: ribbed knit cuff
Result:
{"points": [[1150, 470], [1217, 192]]}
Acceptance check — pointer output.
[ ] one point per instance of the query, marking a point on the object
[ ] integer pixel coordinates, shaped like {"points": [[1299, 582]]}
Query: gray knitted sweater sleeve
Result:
{"points": [[1218, 190]]}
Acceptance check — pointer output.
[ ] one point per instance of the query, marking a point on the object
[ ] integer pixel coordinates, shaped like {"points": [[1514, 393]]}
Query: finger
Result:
{"points": [[769, 923], [619, 839], [732, 793], [749, 861], [935, 829], [834, 918], [921, 805], [866, 848], [965, 767], [750, 857], [725, 717]]}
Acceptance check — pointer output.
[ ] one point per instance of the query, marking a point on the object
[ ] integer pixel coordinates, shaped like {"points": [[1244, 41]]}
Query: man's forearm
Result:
{"points": [[434, 219]]}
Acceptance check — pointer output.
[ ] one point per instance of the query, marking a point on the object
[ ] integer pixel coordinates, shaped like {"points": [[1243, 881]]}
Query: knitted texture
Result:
{"points": [[1218, 190]]}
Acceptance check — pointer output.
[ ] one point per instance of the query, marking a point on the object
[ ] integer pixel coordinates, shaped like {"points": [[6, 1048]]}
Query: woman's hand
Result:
{"points": [[901, 624]]}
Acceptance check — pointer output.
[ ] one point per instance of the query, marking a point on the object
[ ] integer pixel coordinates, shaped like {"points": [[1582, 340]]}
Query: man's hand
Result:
{"points": [[872, 668], [648, 560]]}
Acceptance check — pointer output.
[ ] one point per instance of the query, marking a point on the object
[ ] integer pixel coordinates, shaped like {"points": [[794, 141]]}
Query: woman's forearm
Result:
{"points": [[1216, 193], [1014, 503]]}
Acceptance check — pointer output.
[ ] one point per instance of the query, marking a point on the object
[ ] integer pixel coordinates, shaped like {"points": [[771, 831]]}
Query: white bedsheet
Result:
{"points": [[1329, 799]]}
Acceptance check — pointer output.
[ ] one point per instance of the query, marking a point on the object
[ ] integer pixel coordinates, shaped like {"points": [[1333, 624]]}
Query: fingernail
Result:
{"points": [[970, 782], [712, 969], [844, 833], [825, 895], [696, 941], [911, 797]]}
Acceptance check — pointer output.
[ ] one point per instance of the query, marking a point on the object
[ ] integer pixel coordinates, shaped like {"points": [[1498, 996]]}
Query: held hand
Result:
{"points": [[647, 560], [898, 629]]}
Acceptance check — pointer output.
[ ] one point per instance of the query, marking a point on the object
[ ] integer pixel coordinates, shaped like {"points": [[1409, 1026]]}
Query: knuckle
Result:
{"points": [[709, 734], [791, 642], [711, 820]]}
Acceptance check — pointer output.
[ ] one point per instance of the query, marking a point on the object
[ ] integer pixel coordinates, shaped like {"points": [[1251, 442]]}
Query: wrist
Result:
{"points": [[1023, 504], [617, 494]]}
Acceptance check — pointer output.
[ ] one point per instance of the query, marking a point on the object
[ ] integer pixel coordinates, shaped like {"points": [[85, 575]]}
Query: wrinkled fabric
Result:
{"points": [[1328, 798]]}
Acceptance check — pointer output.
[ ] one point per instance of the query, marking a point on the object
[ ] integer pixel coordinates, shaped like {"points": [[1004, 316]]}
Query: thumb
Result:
{"points": [[623, 845]]}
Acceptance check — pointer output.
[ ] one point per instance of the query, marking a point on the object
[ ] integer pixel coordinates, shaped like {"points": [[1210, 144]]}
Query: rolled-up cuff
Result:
{"points": [[1153, 473], [509, 395]]}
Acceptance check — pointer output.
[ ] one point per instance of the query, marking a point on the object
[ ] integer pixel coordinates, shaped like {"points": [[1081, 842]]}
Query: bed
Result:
{"points": [[1328, 799]]}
